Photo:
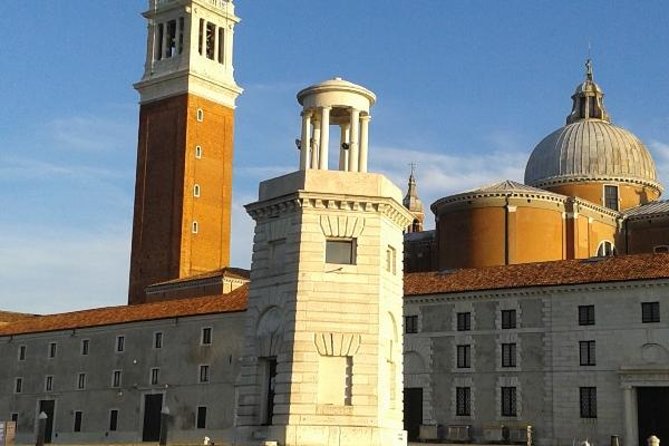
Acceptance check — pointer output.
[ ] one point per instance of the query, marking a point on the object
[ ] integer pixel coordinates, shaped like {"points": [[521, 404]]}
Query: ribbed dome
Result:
{"points": [[589, 147]]}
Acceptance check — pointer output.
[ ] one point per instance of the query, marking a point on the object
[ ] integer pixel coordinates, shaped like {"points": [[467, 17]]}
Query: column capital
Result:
{"points": [[365, 118]]}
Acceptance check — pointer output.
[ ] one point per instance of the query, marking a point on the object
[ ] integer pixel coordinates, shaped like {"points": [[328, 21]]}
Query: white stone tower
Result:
{"points": [[323, 354]]}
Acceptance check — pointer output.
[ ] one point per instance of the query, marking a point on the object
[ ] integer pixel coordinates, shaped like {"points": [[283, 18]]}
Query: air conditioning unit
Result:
{"points": [[458, 433], [427, 432], [493, 433]]}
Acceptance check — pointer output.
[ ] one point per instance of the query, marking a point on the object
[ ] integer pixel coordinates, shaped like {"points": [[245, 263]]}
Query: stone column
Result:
{"points": [[630, 416], [353, 156], [364, 141], [325, 138], [217, 43], [305, 145], [510, 236], [315, 145], [227, 56], [343, 154]]}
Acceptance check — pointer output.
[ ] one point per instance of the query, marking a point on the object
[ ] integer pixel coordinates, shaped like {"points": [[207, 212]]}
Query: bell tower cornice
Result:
{"points": [[189, 50]]}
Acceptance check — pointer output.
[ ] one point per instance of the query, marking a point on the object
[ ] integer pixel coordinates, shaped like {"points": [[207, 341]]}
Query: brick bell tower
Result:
{"points": [[183, 185]]}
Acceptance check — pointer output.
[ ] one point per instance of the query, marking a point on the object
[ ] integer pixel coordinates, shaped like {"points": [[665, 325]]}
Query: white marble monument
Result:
{"points": [[323, 353]]}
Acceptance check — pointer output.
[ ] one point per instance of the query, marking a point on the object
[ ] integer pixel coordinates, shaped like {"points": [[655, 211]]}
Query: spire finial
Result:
{"points": [[412, 165], [588, 69]]}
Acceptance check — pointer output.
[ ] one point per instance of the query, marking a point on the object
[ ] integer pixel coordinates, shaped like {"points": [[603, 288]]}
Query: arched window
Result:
{"points": [[195, 227], [198, 152], [196, 190], [199, 115], [660, 249], [606, 248]]}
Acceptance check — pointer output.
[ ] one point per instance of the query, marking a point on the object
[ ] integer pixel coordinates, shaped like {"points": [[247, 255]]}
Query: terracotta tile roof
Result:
{"points": [[565, 272], [238, 273], [10, 316], [226, 303]]}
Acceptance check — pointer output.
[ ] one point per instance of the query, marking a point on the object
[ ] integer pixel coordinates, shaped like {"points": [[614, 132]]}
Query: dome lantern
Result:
{"points": [[588, 99]]}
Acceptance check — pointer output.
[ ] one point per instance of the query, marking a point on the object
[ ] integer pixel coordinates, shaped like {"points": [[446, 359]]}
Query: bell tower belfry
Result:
{"points": [[183, 187], [323, 353]]}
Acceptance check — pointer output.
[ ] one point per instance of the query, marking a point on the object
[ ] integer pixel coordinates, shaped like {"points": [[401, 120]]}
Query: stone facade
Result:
{"points": [[552, 360], [178, 381]]}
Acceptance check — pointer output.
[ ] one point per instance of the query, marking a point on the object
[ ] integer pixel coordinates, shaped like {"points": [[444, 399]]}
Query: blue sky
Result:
{"points": [[465, 89]]}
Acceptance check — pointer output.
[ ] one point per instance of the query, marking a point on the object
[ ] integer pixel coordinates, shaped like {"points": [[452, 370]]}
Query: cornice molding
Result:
{"points": [[539, 290], [568, 179], [303, 200]]}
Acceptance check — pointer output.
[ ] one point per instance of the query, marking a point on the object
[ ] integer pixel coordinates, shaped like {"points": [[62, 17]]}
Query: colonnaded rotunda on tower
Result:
{"points": [[590, 190]]}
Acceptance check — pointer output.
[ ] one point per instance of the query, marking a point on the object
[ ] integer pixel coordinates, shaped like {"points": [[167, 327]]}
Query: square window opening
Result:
{"points": [[650, 312], [340, 251]]}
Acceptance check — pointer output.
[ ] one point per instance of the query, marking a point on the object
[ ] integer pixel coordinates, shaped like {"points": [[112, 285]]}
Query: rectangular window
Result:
{"points": [[611, 197], [120, 343], [48, 384], [113, 420], [650, 312], [201, 417], [116, 378], [587, 352], [588, 398], [586, 315], [206, 336], [341, 252], [509, 355], [181, 35], [221, 45], [159, 41], [77, 421], [18, 385], [15, 418], [171, 42], [508, 319], [52, 350], [211, 40], [158, 340], [464, 356], [508, 401], [204, 373], [464, 321], [85, 343], [154, 375], [81, 381], [269, 378], [463, 401], [391, 260], [22, 352], [411, 324]]}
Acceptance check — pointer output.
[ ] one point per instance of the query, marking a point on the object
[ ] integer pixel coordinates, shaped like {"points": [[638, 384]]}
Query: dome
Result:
{"points": [[336, 84], [589, 148]]}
